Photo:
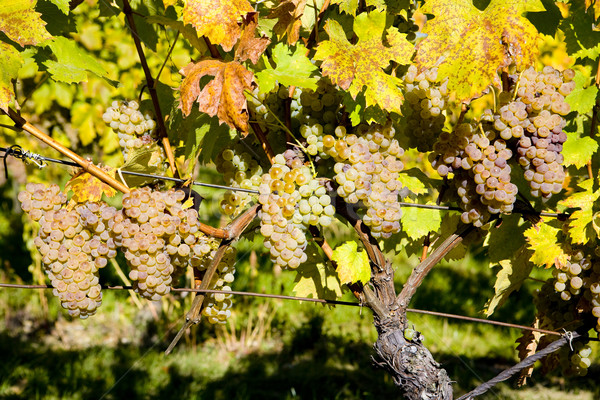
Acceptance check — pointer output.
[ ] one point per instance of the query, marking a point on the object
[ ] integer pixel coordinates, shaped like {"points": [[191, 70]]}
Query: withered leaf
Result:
{"points": [[251, 47]]}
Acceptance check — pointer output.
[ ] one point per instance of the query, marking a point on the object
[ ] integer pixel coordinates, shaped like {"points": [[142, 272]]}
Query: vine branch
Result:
{"points": [[420, 271], [87, 165], [234, 229], [162, 129]]}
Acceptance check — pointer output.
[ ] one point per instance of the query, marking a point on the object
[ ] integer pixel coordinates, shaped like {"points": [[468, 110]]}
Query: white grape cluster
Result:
{"points": [[367, 170], [133, 128], [239, 170], [479, 161], [218, 305], [535, 120], [314, 137], [291, 200], [74, 245], [424, 106], [157, 235]]}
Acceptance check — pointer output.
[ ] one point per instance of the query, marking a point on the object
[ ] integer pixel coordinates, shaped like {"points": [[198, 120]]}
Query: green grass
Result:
{"points": [[272, 349]]}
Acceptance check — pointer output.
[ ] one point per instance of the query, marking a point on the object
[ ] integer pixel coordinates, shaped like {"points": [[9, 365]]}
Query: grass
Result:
{"points": [[272, 349]]}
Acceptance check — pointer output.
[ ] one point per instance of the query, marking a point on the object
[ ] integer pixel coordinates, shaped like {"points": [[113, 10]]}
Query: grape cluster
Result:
{"points": [[479, 161], [239, 170], [158, 236], [291, 200], [423, 109], [218, 305], [367, 170], [74, 245], [133, 128], [535, 118], [307, 107]]}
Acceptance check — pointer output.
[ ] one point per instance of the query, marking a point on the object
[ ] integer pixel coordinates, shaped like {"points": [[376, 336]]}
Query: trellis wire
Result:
{"points": [[313, 300], [17, 152]]}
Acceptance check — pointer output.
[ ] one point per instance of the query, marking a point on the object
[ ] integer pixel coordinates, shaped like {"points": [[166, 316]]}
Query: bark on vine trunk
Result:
{"points": [[410, 364]]}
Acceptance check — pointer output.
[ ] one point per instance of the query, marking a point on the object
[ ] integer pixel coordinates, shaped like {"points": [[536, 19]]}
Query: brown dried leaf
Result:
{"points": [[217, 19], [251, 47], [223, 96], [289, 14], [528, 344]]}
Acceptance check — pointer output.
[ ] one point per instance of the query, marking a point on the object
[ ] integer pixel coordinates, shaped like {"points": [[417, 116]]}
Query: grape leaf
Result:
{"points": [[504, 240], [10, 63], [595, 5], [577, 150], [350, 6], [186, 31], [223, 96], [509, 279], [580, 37], [293, 68], [353, 66], [580, 221], [545, 245], [145, 160], [596, 223], [469, 45], [288, 14], [316, 281], [251, 47], [72, 62], [416, 181], [528, 344], [352, 265], [86, 187], [583, 97], [418, 222], [217, 19], [62, 5], [21, 23]]}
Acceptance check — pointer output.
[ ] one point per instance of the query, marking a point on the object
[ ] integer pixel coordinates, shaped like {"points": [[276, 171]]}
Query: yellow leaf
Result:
{"points": [[217, 19], [86, 187], [544, 242], [352, 265], [469, 46], [288, 14]]}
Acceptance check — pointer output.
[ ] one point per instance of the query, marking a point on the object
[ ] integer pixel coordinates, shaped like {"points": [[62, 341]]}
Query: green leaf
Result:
{"points": [[418, 222], [580, 228], [356, 66], [352, 265], [316, 281], [10, 63], [596, 223], [580, 37], [577, 150], [63, 5], [509, 279], [544, 242], [504, 241], [21, 23], [141, 160], [350, 6], [72, 62], [416, 181], [583, 97], [469, 46], [293, 68]]}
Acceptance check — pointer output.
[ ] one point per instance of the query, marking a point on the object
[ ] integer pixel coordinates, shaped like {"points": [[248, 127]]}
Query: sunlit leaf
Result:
{"points": [[359, 66], [218, 20], [544, 242], [251, 47], [86, 187], [583, 97], [418, 222], [316, 281], [10, 63], [352, 265], [223, 96], [469, 46], [293, 68], [21, 23]]}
